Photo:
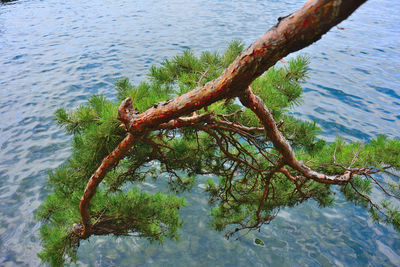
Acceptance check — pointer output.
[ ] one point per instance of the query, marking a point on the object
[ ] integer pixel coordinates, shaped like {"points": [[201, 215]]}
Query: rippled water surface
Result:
{"points": [[57, 53]]}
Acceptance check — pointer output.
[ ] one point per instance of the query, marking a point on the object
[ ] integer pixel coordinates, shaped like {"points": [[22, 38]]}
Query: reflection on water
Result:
{"points": [[6, 1], [57, 53]]}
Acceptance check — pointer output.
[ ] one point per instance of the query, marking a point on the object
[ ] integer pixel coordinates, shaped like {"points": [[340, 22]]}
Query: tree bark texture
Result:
{"points": [[291, 33]]}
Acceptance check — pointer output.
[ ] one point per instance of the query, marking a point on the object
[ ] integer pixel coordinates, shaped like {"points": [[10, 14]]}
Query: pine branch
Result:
{"points": [[292, 33]]}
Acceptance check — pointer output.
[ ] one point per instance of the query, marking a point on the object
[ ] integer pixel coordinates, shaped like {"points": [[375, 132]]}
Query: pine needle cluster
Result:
{"points": [[246, 191]]}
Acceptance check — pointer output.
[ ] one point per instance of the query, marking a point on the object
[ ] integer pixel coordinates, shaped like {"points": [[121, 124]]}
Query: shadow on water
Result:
{"points": [[4, 2]]}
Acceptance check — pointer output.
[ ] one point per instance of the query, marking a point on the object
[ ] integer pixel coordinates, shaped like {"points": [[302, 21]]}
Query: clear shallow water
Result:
{"points": [[57, 53]]}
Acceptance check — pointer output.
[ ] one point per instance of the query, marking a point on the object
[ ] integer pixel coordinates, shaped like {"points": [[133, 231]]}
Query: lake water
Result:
{"points": [[57, 53]]}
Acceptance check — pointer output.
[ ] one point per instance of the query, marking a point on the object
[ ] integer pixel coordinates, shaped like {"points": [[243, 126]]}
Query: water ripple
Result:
{"points": [[57, 53]]}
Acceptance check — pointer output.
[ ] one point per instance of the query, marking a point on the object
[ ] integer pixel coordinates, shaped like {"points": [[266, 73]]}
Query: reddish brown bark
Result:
{"points": [[256, 104], [108, 163], [292, 33], [185, 121]]}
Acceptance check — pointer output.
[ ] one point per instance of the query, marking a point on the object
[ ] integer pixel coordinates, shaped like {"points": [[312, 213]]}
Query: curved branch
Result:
{"points": [[107, 164], [257, 105]]}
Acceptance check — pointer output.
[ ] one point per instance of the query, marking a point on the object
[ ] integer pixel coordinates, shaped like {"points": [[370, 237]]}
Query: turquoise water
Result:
{"points": [[57, 53]]}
